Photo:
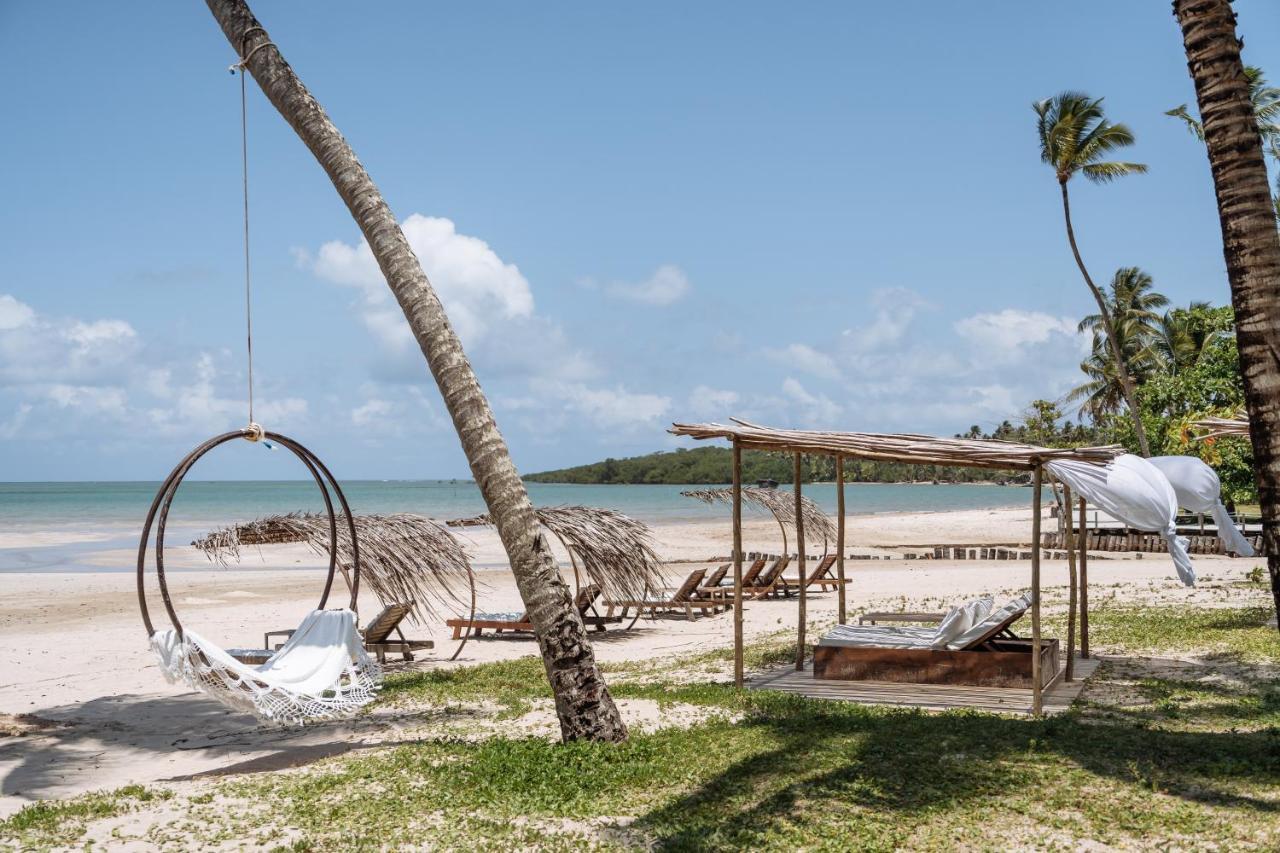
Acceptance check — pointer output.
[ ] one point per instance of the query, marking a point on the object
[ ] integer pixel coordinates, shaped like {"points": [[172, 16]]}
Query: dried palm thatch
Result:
{"points": [[782, 504], [614, 550], [1215, 427], [904, 447], [402, 557]]}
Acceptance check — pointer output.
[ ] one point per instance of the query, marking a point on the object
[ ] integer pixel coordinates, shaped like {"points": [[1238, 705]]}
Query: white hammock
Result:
{"points": [[1136, 493], [321, 672], [1199, 490]]}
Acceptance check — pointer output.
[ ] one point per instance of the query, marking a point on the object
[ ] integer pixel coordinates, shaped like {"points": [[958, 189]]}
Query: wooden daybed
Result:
{"points": [[988, 655]]}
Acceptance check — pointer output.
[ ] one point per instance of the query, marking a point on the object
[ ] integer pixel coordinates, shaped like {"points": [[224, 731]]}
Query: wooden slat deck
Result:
{"points": [[934, 697]]}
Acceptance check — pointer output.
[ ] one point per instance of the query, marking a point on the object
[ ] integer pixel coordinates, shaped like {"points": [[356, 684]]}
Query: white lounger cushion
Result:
{"points": [[878, 637], [960, 619], [1017, 607]]}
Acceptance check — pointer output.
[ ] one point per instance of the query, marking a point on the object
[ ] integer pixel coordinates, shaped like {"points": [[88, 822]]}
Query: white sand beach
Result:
{"points": [[78, 680]]}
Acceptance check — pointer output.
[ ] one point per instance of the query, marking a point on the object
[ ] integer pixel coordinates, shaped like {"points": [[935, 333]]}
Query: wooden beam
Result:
{"points": [[1037, 691], [1084, 583], [1070, 545], [737, 565], [841, 616], [803, 569]]}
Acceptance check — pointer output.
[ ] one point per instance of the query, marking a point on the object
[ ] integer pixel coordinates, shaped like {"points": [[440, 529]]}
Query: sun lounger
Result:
{"points": [[712, 581], [972, 645], [585, 601], [749, 574], [687, 598], [376, 634], [817, 578], [769, 581], [877, 616]]}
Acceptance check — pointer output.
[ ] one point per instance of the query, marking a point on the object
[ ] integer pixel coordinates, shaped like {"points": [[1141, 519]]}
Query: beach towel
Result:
{"points": [[1199, 490], [322, 671], [1132, 490]]}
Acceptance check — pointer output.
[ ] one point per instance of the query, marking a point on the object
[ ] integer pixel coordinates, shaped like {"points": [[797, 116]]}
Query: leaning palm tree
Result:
{"points": [[1250, 242], [583, 703], [1074, 138]]}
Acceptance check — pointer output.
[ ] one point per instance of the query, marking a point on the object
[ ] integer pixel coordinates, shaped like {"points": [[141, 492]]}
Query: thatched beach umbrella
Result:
{"points": [[403, 557], [780, 504], [615, 551]]}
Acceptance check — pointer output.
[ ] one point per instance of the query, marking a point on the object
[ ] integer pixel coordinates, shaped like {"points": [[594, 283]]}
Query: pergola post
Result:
{"points": [[1084, 582], [1070, 544], [840, 603], [737, 564], [1037, 697], [802, 570]]}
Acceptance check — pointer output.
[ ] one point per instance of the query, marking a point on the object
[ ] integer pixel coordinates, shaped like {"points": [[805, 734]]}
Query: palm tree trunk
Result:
{"points": [[1249, 239], [1122, 370], [583, 703]]}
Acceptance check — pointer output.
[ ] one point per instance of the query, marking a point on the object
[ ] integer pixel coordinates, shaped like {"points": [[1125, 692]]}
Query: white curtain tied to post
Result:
{"points": [[1199, 490], [1134, 492], [322, 671]]}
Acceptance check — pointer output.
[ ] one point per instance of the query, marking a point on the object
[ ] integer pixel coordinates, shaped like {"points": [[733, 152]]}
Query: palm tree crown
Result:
{"points": [[1075, 136], [1133, 303]]}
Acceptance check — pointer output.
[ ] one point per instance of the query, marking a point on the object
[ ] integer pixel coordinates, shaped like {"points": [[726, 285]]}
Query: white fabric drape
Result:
{"points": [[1199, 490], [1136, 493], [322, 671]]}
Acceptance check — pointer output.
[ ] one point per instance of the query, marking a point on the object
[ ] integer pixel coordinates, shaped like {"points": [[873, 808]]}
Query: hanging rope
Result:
{"points": [[255, 432]]}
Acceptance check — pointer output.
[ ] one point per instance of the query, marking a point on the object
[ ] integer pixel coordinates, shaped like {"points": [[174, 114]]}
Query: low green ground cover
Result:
{"points": [[1166, 753]]}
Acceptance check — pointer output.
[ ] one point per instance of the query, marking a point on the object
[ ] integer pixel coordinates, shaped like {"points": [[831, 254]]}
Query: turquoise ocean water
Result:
{"points": [[112, 513]]}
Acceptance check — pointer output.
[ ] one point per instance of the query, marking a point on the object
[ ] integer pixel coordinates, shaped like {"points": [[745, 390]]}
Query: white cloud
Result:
{"points": [[608, 407], [806, 358], [476, 287], [666, 286], [14, 314], [813, 409], [895, 308], [705, 401], [1013, 328]]}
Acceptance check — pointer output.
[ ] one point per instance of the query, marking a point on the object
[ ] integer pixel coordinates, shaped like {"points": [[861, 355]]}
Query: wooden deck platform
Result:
{"points": [[934, 697]]}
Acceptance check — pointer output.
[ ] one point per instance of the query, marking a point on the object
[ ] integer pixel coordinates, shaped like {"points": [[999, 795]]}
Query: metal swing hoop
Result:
{"points": [[159, 513]]}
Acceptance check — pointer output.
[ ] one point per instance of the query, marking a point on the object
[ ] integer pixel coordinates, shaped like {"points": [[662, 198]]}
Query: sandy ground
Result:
{"points": [[74, 656]]}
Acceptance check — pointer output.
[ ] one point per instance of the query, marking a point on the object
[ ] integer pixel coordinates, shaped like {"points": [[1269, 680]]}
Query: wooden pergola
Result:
{"points": [[914, 449]]}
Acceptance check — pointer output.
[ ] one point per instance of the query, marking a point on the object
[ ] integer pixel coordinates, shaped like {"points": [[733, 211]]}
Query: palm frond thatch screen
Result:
{"points": [[780, 503], [614, 550], [403, 557]]}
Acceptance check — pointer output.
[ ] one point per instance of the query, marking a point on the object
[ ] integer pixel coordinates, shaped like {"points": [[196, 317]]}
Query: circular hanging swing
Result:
{"points": [[322, 670], [158, 516]]}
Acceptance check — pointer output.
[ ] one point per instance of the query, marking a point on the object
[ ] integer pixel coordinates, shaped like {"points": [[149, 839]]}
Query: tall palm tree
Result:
{"points": [[583, 703], [1266, 109], [1250, 241], [1179, 340], [1133, 302], [1102, 393], [1075, 136]]}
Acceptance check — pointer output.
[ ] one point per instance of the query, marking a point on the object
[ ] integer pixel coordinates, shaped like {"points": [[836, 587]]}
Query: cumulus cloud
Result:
{"points": [[707, 402], [605, 407], [1012, 329], [806, 358], [895, 308], [666, 286], [813, 409], [477, 288], [74, 377]]}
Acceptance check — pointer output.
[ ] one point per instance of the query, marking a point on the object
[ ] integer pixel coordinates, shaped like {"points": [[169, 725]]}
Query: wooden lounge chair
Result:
{"points": [[749, 574], [377, 634], [712, 581], [817, 578], [768, 582], [688, 598], [585, 601], [877, 616], [987, 654]]}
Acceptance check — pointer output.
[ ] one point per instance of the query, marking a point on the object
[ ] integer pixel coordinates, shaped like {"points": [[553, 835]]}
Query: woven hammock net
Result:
{"points": [[322, 672]]}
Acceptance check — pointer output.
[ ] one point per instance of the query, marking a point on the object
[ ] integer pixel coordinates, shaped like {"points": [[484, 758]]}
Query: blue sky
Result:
{"points": [[826, 215]]}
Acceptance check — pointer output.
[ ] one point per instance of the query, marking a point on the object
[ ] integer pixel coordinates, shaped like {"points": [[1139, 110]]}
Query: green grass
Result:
{"points": [[1238, 633], [1160, 755], [51, 822]]}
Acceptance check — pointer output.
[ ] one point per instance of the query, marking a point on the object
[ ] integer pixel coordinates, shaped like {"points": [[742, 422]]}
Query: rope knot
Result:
{"points": [[254, 432]]}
